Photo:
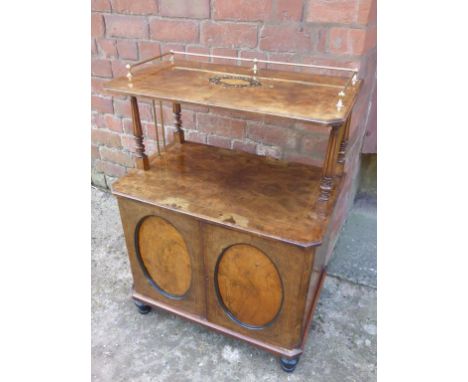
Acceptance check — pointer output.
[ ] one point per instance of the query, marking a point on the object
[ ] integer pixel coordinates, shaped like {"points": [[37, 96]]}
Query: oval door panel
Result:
{"points": [[164, 256], [248, 285]]}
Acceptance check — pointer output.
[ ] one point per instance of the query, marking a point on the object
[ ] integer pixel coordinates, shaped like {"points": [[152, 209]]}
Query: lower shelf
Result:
{"points": [[256, 194]]}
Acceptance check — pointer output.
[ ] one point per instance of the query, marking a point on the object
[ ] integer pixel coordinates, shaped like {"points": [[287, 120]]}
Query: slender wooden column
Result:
{"points": [[329, 167], [141, 160], [343, 146], [179, 134]]}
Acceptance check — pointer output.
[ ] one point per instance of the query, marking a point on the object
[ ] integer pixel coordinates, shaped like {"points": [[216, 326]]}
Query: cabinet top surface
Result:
{"points": [[299, 96], [251, 193]]}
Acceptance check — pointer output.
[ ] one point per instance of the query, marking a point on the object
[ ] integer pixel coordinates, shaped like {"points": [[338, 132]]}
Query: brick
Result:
{"points": [[128, 142], [253, 54], [321, 46], [101, 5], [101, 68], [97, 85], [195, 136], [118, 68], [311, 128], [227, 52], [347, 41], [198, 49], [97, 120], [236, 114], [107, 47], [116, 156], [170, 130], [226, 127], [258, 10], [113, 123], [278, 121], [111, 169], [126, 26], [248, 147], [148, 49], [196, 108], [196, 9], [97, 25], [174, 30], [314, 145], [217, 141], [271, 135], [123, 109], [332, 11], [367, 12], [127, 49], [150, 146], [371, 39], [93, 47], [229, 35], [269, 151], [136, 7], [107, 138], [168, 47], [285, 38], [188, 116], [95, 152], [127, 125], [149, 131], [289, 10], [102, 104], [332, 61], [283, 57]]}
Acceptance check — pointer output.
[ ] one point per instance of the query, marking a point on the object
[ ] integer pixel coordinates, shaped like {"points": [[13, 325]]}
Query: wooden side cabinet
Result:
{"points": [[228, 239]]}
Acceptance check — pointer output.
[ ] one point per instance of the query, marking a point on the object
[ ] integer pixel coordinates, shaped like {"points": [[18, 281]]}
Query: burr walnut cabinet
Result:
{"points": [[224, 238]]}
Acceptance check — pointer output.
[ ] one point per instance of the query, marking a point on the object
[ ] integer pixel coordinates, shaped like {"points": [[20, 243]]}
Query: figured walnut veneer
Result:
{"points": [[164, 256], [301, 96], [248, 285], [252, 193]]}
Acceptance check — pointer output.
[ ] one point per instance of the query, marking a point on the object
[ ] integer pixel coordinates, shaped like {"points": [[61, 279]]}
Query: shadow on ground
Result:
{"points": [[159, 346]]}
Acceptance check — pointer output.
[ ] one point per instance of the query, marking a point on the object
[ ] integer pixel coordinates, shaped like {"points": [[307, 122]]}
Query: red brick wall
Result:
{"points": [[310, 31], [341, 32]]}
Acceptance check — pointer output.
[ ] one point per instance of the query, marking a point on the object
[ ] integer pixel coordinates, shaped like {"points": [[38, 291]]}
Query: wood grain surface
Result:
{"points": [[165, 255], [299, 96], [255, 194], [293, 265], [249, 285]]}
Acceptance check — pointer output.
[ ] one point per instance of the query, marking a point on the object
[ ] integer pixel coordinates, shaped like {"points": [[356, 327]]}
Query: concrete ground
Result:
{"points": [[159, 346]]}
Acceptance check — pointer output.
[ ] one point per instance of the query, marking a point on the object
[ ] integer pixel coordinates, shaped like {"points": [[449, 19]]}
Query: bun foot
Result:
{"points": [[142, 308], [289, 364]]}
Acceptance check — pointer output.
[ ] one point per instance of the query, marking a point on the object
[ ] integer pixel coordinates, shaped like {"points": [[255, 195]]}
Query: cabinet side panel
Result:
{"points": [[311, 290]]}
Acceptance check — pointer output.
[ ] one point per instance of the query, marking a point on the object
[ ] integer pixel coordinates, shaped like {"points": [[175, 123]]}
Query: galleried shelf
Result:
{"points": [[227, 239]]}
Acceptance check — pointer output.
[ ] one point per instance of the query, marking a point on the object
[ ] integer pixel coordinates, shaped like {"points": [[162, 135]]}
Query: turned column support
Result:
{"points": [[179, 134], [343, 146], [141, 159], [329, 167]]}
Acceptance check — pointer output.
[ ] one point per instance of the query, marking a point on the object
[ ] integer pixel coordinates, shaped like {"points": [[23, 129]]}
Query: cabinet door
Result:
{"points": [[256, 286], [164, 252]]}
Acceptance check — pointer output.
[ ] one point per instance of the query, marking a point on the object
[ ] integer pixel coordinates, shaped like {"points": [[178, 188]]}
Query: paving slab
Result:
{"points": [[159, 346], [355, 254]]}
